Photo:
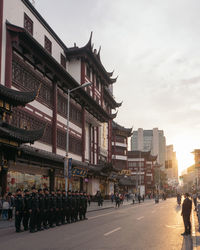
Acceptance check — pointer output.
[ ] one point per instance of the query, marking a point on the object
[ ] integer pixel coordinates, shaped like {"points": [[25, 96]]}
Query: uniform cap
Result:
{"points": [[26, 191], [33, 187], [18, 190], [39, 190]]}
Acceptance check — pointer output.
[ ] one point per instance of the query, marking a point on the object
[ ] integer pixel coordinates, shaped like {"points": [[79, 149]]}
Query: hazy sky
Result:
{"points": [[153, 45]]}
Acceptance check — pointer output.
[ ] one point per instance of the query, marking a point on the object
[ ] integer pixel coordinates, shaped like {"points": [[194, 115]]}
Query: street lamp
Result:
{"points": [[67, 132]]}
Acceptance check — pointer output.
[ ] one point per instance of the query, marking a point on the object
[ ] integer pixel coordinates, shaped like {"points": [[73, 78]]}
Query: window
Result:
{"points": [[47, 44], [63, 60], [28, 24], [88, 72], [97, 83]]}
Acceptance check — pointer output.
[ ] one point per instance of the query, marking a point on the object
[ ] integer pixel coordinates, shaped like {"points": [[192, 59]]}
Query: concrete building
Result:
{"points": [[141, 166], [150, 140], [171, 166]]}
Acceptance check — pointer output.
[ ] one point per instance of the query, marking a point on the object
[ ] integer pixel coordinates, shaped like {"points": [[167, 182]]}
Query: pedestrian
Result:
{"points": [[186, 212], [81, 205], [46, 208], [85, 205], [40, 213], [5, 208], [194, 196], [26, 214], [19, 206], [58, 207], [77, 207], [69, 207], [1, 205], [89, 199], [73, 206], [139, 198], [112, 198], [11, 205], [33, 209], [52, 209], [64, 208], [117, 200]]}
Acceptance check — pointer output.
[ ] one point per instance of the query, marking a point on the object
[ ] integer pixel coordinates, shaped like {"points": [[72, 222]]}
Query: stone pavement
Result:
{"points": [[93, 207]]}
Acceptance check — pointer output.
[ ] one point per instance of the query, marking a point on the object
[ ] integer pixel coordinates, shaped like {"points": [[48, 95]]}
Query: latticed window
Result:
{"points": [[25, 79], [28, 24], [63, 60], [47, 44]]}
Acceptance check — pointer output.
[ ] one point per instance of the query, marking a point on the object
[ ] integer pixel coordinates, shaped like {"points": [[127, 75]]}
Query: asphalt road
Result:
{"points": [[134, 227]]}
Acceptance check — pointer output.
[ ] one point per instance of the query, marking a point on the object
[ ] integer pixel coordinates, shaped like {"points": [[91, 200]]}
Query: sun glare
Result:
{"points": [[184, 156]]}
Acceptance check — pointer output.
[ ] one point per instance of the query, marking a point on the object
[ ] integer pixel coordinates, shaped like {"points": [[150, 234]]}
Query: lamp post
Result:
{"points": [[67, 132]]}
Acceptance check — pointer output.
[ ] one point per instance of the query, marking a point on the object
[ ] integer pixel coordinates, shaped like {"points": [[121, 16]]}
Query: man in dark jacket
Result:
{"points": [[33, 210], [186, 211], [58, 207], [19, 206], [46, 208], [52, 209], [40, 215], [26, 214]]}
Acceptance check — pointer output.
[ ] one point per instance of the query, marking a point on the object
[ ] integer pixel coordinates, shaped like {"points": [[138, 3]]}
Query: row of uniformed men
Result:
{"points": [[40, 209]]}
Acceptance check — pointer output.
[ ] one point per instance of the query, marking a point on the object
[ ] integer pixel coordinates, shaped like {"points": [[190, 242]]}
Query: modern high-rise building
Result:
{"points": [[172, 163], [150, 140]]}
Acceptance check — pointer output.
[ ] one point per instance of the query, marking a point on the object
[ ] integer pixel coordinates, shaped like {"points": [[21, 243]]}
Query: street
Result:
{"points": [[140, 226]]}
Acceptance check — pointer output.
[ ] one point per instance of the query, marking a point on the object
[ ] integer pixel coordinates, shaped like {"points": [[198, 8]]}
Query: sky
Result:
{"points": [[153, 46]]}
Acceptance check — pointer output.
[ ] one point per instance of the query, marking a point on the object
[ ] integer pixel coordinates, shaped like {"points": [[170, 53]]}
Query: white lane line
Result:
{"points": [[140, 218], [114, 230], [100, 215], [117, 211]]}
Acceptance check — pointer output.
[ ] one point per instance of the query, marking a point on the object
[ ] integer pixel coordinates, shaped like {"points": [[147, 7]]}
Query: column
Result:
{"points": [[51, 179], [83, 134], [8, 62], [54, 122]]}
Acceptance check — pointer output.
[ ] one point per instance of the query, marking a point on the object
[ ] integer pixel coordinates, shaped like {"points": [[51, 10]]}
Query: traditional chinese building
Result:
{"points": [[33, 56], [12, 137], [141, 165], [120, 137]]}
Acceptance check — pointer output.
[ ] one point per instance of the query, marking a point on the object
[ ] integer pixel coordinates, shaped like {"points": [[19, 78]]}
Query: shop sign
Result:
{"points": [[79, 172]]}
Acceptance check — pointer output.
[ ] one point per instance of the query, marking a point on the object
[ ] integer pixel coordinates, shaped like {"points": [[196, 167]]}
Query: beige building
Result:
{"points": [[171, 165]]}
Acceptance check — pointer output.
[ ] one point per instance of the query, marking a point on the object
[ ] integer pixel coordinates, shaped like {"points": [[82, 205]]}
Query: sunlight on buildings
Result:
{"points": [[184, 156]]}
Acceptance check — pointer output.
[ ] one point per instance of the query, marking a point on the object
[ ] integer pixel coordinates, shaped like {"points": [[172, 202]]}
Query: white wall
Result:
{"points": [[74, 69]]}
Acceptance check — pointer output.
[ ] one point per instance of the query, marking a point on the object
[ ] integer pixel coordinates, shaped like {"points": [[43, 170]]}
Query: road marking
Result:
{"points": [[140, 218], [117, 211], [114, 230], [100, 215]]}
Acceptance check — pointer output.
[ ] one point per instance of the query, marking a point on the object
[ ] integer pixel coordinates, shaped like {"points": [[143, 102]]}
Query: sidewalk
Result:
{"points": [[93, 207]]}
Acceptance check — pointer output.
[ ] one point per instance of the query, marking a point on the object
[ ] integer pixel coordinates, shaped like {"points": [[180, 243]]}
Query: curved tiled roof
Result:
{"points": [[20, 135], [16, 98]]}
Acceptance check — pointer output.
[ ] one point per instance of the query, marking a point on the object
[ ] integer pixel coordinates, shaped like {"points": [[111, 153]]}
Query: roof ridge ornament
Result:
{"points": [[89, 44]]}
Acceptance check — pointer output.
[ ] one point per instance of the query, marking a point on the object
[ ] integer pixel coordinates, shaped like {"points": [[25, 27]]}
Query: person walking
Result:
{"points": [[186, 211], [117, 200]]}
